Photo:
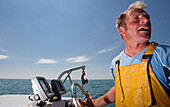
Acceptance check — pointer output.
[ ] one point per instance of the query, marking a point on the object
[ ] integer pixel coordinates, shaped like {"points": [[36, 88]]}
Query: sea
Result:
{"points": [[95, 88]]}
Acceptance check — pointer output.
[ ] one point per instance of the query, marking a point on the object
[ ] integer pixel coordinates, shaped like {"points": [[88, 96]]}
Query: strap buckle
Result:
{"points": [[146, 56]]}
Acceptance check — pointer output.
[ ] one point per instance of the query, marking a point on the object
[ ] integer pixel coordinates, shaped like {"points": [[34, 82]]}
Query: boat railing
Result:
{"points": [[68, 72]]}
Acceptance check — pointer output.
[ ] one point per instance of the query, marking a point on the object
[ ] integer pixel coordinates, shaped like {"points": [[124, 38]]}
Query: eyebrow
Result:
{"points": [[132, 16]]}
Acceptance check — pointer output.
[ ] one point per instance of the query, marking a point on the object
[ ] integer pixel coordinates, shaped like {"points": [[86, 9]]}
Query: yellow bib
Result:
{"points": [[137, 85]]}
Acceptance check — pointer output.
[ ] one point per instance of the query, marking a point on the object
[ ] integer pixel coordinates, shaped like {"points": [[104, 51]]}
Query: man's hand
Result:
{"points": [[90, 101], [108, 98]]}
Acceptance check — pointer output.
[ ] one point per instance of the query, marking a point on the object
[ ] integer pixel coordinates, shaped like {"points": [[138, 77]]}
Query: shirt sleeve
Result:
{"points": [[164, 53], [113, 66]]}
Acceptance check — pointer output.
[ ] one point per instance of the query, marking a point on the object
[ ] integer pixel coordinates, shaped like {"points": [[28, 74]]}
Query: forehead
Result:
{"points": [[135, 12]]}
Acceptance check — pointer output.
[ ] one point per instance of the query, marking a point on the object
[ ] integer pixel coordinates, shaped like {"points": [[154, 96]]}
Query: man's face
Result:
{"points": [[138, 26]]}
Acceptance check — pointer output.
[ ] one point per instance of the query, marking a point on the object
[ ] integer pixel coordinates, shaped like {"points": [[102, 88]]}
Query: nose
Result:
{"points": [[144, 20]]}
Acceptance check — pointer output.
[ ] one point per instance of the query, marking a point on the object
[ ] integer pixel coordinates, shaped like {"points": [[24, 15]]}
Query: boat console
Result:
{"points": [[58, 88], [45, 95], [41, 89]]}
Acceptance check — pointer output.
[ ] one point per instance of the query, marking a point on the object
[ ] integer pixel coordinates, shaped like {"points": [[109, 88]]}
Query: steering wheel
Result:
{"points": [[78, 102]]}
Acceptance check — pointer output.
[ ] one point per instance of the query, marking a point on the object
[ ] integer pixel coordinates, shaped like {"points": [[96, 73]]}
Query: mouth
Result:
{"points": [[143, 29]]}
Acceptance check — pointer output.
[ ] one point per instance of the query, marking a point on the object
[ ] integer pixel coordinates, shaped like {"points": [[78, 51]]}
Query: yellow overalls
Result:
{"points": [[137, 85]]}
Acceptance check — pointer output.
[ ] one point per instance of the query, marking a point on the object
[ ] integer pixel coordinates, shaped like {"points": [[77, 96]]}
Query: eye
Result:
{"points": [[136, 18], [146, 15]]}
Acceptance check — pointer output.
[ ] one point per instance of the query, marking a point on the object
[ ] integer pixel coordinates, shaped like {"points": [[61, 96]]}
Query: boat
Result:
{"points": [[51, 94]]}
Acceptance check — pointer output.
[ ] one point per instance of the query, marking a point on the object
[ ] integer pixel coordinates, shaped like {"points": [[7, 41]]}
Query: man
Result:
{"points": [[141, 71]]}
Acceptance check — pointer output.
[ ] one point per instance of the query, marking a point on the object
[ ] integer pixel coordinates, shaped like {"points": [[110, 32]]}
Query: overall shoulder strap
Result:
{"points": [[118, 72], [144, 65], [149, 50], [118, 59], [120, 55], [166, 70]]}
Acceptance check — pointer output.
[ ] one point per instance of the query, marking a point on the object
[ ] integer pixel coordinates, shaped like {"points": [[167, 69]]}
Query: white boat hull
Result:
{"points": [[19, 101]]}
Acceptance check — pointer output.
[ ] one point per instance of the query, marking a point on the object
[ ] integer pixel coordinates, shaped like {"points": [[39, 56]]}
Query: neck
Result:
{"points": [[134, 48]]}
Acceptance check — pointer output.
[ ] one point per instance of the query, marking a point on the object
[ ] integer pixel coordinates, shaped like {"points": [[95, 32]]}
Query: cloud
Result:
{"points": [[78, 59], [105, 50], [3, 56], [46, 61]]}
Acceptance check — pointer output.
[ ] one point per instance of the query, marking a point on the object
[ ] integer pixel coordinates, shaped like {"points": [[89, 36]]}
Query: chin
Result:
{"points": [[144, 39], [146, 36]]}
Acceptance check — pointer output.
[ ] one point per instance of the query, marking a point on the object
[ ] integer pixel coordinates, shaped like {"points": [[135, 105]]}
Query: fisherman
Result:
{"points": [[141, 71]]}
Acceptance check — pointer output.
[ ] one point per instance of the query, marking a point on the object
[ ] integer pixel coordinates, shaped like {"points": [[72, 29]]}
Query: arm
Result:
{"points": [[108, 98]]}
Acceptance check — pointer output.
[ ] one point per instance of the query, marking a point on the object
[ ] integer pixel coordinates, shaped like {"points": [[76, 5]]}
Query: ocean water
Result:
{"points": [[95, 88]]}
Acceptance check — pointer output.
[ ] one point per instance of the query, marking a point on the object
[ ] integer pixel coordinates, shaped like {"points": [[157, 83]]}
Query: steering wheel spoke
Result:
{"points": [[80, 102]]}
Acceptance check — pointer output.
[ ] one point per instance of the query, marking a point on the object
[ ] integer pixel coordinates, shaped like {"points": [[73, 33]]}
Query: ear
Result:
{"points": [[122, 31]]}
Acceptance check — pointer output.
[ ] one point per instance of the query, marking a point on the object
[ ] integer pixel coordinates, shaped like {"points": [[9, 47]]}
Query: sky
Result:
{"points": [[46, 37]]}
